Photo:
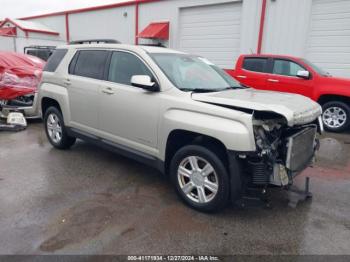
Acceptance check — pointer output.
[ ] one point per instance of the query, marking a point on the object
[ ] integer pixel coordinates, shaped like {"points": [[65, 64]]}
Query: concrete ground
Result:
{"points": [[90, 201]]}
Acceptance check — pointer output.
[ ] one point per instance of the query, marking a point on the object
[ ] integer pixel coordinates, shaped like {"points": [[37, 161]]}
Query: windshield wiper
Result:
{"points": [[232, 87], [205, 90], [199, 90]]}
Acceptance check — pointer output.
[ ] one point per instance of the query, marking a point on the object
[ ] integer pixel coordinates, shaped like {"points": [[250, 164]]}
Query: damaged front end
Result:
{"points": [[282, 152], [23, 103], [20, 76]]}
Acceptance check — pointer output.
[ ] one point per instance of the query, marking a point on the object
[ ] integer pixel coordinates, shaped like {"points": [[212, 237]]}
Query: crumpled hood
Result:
{"points": [[296, 109]]}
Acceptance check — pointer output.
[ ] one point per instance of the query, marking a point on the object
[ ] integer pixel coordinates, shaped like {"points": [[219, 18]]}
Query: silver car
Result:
{"points": [[181, 114]]}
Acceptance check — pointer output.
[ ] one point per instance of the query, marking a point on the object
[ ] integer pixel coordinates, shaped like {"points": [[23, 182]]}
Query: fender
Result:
{"points": [[235, 135], [58, 93]]}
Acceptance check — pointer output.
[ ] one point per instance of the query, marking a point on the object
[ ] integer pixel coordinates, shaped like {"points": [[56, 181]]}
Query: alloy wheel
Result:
{"points": [[54, 128], [334, 117], [198, 179]]}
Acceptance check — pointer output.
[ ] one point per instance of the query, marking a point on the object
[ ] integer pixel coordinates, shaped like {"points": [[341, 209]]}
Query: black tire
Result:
{"points": [[336, 104], [221, 199], [66, 141]]}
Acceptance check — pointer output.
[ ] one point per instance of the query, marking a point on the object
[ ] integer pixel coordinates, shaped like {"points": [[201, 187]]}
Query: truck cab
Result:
{"points": [[297, 75]]}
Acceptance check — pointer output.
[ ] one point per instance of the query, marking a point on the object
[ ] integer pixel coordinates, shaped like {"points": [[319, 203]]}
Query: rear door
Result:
{"points": [[252, 72], [86, 71], [283, 78]]}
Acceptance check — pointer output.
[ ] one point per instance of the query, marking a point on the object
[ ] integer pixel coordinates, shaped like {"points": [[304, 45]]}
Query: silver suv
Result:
{"points": [[181, 114]]}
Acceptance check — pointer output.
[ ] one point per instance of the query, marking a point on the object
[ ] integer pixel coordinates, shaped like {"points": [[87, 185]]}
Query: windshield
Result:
{"points": [[193, 73], [316, 68]]}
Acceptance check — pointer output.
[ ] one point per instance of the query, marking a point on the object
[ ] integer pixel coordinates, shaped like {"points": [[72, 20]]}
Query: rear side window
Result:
{"points": [[55, 59], [255, 64], [90, 63]]}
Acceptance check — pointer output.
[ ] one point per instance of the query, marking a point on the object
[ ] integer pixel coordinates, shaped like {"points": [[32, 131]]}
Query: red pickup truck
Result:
{"points": [[297, 75]]}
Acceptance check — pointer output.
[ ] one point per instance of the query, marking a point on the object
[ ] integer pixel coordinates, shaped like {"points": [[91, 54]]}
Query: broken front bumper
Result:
{"points": [[29, 111]]}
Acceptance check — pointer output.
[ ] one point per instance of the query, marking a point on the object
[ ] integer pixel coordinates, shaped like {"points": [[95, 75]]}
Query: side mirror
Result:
{"points": [[144, 82], [303, 74]]}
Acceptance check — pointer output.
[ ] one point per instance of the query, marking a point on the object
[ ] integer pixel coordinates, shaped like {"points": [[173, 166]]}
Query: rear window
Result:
{"points": [[43, 54], [55, 59], [255, 64], [90, 63]]}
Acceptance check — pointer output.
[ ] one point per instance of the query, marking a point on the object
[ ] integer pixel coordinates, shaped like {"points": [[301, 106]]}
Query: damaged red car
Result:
{"points": [[19, 79]]}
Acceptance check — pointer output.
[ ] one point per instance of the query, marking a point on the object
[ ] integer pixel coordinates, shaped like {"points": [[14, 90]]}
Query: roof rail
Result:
{"points": [[94, 41], [40, 47]]}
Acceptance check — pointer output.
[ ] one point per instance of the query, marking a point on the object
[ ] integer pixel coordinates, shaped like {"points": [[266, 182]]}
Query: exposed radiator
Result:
{"points": [[301, 148]]}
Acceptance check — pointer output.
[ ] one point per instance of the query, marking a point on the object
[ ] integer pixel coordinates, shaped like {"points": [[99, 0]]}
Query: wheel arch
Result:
{"points": [[323, 99], [179, 138], [47, 102]]}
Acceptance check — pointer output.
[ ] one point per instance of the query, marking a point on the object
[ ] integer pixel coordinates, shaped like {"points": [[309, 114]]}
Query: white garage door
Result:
{"points": [[329, 39], [212, 31]]}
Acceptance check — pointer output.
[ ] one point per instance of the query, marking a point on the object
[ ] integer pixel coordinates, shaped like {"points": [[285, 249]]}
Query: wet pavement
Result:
{"points": [[91, 201]]}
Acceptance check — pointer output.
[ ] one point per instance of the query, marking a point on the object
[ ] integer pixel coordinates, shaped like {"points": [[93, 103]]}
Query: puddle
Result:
{"points": [[332, 153], [90, 218]]}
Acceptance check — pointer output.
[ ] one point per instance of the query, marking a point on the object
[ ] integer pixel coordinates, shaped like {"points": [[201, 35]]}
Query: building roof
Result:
{"points": [[29, 26]]}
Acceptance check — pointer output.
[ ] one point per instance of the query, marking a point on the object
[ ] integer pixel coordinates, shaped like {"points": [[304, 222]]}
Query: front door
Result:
{"points": [[128, 115], [284, 78]]}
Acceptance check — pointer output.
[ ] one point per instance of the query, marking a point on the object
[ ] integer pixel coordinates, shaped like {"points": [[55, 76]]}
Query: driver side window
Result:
{"points": [[125, 65], [286, 68]]}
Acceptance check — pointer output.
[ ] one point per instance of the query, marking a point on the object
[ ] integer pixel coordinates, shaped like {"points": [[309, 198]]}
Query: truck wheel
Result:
{"points": [[55, 129], [200, 178], [336, 116]]}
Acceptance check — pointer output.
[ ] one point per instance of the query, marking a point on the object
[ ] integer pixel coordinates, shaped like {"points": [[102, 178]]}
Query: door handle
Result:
{"points": [[67, 82], [242, 77], [273, 80], [108, 91]]}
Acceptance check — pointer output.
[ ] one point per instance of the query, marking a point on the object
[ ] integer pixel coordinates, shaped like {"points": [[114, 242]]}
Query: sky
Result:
{"points": [[22, 8]]}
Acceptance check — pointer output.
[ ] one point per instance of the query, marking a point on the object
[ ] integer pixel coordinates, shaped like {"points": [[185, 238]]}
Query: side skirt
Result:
{"points": [[119, 149]]}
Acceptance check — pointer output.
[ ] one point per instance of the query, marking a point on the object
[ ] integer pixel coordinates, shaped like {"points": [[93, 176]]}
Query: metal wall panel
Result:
{"points": [[251, 12], [328, 42], [286, 27], [56, 23], [117, 23], [111, 23], [212, 31], [7, 43], [169, 10]]}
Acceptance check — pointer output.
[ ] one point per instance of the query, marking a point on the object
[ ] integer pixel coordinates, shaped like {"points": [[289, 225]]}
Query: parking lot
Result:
{"points": [[90, 201]]}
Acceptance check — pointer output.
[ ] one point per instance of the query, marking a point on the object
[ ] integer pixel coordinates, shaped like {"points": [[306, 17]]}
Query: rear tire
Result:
{"points": [[200, 178], [336, 116], [55, 130]]}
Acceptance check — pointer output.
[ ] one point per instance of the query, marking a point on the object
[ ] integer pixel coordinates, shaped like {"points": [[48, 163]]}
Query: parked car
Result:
{"points": [[181, 114], [19, 78], [43, 52], [300, 76]]}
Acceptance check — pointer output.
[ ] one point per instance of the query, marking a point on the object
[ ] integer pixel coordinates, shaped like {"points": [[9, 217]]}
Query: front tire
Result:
{"points": [[55, 130], [200, 178], [336, 116]]}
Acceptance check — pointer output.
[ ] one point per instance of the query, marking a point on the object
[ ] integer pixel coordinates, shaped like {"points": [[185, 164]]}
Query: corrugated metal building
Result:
{"points": [[220, 29]]}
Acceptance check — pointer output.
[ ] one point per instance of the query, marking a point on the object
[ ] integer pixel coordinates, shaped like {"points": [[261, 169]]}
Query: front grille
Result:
{"points": [[301, 149]]}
